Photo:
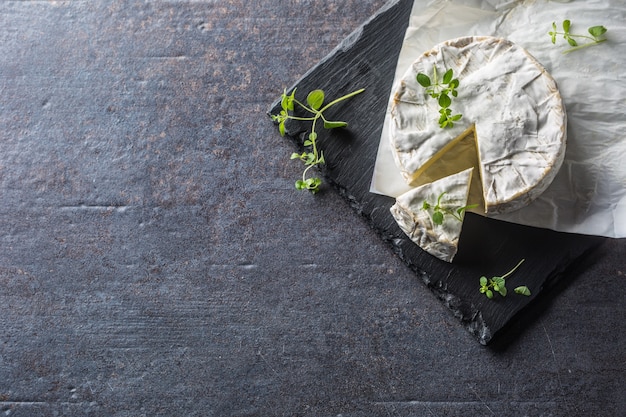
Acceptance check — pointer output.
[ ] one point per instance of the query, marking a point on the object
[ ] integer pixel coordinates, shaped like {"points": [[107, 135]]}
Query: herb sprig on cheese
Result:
{"points": [[439, 211], [442, 92], [314, 105]]}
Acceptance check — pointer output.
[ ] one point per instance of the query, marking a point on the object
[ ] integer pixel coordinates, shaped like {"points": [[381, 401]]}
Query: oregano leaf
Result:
{"points": [[315, 99], [444, 101], [438, 218], [597, 31], [566, 25], [281, 128], [334, 125], [423, 80]]}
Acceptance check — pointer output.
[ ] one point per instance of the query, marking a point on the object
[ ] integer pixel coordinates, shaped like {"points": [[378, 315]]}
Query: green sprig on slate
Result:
{"points": [[439, 211], [494, 285], [312, 156], [596, 36], [442, 90]]}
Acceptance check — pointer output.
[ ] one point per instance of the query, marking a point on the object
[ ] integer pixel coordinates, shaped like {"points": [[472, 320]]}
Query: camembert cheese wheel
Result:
{"points": [[446, 196], [512, 129]]}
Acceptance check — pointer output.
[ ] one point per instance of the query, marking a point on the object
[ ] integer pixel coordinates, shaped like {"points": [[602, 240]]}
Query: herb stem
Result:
{"points": [[347, 96], [513, 270], [305, 107], [303, 118], [305, 171], [586, 45]]}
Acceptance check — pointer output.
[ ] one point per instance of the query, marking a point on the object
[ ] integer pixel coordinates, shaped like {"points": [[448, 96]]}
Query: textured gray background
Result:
{"points": [[155, 260]]}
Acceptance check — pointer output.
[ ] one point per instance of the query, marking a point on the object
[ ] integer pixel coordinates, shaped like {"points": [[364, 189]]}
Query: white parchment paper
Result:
{"points": [[588, 196]]}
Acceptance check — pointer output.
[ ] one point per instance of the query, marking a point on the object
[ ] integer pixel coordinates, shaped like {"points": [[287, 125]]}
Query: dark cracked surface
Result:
{"points": [[155, 260]]}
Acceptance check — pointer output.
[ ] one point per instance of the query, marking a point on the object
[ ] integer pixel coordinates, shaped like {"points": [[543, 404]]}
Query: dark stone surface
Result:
{"points": [[155, 260]]}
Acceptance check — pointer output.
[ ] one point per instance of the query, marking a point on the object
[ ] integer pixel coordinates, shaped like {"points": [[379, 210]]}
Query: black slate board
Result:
{"points": [[367, 59]]}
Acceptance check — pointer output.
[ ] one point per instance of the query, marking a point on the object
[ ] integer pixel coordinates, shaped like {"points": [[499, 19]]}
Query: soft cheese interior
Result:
{"points": [[513, 128]]}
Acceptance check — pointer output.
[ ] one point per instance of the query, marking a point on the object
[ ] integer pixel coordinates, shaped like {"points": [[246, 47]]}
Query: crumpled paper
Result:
{"points": [[588, 195]]}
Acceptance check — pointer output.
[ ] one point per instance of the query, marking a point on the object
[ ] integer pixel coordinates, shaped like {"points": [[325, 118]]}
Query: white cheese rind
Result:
{"points": [[439, 240], [514, 104]]}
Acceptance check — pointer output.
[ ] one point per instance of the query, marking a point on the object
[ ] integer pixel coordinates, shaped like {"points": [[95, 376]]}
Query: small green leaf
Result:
{"points": [[312, 137], [287, 101], [489, 294], [597, 31], [315, 99], [312, 184], [438, 218], [425, 205], [572, 42], [295, 156], [499, 285], [423, 80], [447, 76], [445, 101], [307, 143], [300, 185], [552, 37], [281, 128], [522, 290], [483, 281], [566, 25], [334, 125], [284, 102]]}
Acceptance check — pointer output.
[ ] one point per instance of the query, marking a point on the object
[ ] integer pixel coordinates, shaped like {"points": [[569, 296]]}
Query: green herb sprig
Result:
{"points": [[498, 285], [439, 211], [442, 90], [596, 36], [312, 156]]}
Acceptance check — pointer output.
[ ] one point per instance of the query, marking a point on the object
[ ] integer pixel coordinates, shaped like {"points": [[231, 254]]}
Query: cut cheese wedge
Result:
{"points": [[512, 130], [416, 221]]}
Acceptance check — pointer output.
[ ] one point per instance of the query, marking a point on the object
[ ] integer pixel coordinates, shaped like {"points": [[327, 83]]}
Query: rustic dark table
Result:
{"points": [[155, 259]]}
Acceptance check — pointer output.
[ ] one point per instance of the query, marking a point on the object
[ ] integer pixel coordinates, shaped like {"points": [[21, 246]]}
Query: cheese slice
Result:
{"points": [[512, 130], [416, 221]]}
